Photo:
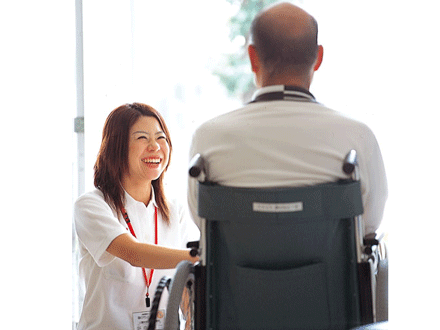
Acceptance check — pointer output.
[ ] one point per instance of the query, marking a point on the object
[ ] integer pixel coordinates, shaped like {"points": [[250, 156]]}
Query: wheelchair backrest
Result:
{"points": [[281, 258]]}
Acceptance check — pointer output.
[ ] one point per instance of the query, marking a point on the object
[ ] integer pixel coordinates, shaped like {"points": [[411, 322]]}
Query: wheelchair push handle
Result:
{"points": [[196, 166], [350, 162], [194, 246]]}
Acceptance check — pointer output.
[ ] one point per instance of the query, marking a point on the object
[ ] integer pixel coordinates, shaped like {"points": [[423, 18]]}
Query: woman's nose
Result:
{"points": [[153, 146]]}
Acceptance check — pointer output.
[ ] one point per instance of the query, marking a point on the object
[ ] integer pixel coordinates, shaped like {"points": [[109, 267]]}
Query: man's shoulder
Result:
{"points": [[222, 121], [228, 116], [329, 114], [290, 113]]}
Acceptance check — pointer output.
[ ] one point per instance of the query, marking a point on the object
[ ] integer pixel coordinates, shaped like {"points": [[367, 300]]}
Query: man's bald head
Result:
{"points": [[285, 38]]}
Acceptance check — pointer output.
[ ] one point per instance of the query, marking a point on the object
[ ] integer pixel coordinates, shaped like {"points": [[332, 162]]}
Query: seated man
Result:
{"points": [[284, 137]]}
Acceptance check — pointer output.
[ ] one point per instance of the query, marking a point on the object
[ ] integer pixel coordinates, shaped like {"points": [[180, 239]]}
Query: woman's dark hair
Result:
{"points": [[112, 161]]}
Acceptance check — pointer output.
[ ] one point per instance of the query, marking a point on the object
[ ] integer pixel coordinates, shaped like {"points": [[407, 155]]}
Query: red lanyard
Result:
{"points": [[147, 280]]}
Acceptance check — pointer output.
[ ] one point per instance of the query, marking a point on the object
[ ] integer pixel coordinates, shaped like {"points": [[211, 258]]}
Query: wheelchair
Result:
{"points": [[277, 258]]}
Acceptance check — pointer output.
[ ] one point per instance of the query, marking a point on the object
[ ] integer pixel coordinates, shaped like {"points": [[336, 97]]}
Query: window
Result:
{"points": [[166, 53]]}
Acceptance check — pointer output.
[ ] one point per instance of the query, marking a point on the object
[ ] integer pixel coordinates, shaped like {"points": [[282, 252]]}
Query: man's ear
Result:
{"points": [[319, 58], [253, 57]]}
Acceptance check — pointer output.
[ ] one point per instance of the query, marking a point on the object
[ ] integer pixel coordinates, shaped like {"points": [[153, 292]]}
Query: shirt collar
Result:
{"points": [[130, 201], [282, 92]]}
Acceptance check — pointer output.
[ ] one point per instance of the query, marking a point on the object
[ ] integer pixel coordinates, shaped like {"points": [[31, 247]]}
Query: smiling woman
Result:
{"points": [[127, 229], [148, 157], [153, 145], [118, 167]]}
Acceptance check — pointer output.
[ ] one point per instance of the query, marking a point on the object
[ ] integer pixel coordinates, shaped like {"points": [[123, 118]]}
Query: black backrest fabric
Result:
{"points": [[281, 258]]}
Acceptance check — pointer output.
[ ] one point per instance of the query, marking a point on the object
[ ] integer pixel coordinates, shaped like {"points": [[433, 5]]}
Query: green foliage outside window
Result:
{"points": [[235, 73]]}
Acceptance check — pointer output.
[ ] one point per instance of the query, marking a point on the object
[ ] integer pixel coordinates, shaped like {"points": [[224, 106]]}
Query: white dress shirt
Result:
{"points": [[285, 139]]}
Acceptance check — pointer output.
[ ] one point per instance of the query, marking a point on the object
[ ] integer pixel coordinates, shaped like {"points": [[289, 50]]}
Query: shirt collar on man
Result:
{"points": [[281, 92]]}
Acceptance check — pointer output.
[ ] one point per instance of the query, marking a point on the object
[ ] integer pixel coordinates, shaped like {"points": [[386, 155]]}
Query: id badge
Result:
{"points": [[140, 320]]}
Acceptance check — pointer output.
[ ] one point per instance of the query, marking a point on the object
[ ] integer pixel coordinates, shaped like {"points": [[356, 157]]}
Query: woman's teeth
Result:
{"points": [[151, 160]]}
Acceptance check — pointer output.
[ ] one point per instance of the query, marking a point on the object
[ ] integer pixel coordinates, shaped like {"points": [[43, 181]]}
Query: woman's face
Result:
{"points": [[148, 149]]}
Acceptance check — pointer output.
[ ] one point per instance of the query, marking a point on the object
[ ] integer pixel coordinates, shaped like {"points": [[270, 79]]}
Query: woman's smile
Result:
{"points": [[152, 162], [148, 149]]}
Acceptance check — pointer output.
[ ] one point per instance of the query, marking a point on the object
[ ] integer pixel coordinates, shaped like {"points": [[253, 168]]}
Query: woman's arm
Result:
{"points": [[144, 255]]}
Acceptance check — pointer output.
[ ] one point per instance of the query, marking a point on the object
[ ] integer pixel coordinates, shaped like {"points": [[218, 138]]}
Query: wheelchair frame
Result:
{"points": [[193, 277]]}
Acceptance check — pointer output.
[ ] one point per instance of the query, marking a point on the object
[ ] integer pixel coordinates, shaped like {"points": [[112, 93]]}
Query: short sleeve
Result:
{"points": [[96, 226]]}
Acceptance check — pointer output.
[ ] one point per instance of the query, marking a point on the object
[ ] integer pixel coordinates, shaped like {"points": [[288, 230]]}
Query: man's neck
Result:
{"points": [[296, 81]]}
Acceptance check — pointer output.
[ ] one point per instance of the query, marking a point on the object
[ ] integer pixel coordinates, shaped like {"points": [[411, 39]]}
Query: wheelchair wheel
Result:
{"points": [[181, 295], [164, 283]]}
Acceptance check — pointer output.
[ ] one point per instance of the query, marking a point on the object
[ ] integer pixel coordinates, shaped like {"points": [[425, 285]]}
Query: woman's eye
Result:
{"points": [[162, 137], [142, 137]]}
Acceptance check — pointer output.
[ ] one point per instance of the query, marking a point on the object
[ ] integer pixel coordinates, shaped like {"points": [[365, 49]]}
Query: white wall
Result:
{"points": [[37, 95]]}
